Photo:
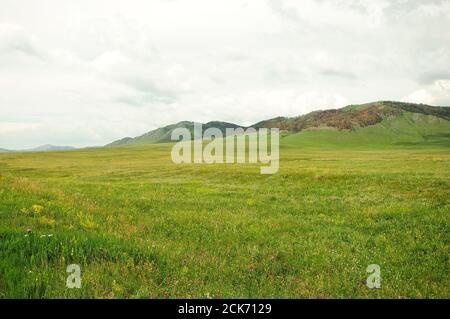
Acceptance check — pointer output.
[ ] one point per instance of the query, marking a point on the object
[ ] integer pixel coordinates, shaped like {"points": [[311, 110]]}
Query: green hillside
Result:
{"points": [[163, 134], [376, 123], [353, 117], [406, 129]]}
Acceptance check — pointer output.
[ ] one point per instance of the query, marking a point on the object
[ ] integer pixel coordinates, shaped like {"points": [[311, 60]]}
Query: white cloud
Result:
{"points": [[14, 128], [18, 47], [88, 72], [436, 94]]}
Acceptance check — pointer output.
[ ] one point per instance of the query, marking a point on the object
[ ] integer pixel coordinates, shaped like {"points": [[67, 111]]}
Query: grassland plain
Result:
{"points": [[141, 226]]}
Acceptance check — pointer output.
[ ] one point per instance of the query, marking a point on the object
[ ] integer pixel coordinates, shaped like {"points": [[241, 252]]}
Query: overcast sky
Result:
{"points": [[86, 73]]}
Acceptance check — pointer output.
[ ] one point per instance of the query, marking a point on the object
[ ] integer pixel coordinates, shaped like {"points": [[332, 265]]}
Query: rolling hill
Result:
{"points": [[376, 123], [372, 124], [405, 129], [353, 117], [162, 135]]}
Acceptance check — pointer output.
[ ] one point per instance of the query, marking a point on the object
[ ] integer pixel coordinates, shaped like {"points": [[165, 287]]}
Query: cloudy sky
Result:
{"points": [[86, 73]]}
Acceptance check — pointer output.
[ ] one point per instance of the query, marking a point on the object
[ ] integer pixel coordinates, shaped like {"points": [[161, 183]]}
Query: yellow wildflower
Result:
{"points": [[47, 221], [37, 208]]}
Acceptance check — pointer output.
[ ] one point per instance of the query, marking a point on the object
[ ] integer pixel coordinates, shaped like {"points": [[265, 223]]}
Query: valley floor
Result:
{"points": [[140, 226]]}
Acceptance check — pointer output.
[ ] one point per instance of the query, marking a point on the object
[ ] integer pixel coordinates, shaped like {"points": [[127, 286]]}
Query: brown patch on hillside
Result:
{"points": [[341, 119]]}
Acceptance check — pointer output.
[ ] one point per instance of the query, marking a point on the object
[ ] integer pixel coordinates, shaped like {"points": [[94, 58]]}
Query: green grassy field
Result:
{"points": [[141, 226]]}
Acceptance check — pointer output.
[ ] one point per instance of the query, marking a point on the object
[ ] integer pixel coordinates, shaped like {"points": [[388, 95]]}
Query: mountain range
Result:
{"points": [[377, 122], [382, 122], [42, 148]]}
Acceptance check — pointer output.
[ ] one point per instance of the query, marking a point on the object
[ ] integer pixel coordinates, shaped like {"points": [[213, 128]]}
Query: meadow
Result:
{"points": [[142, 227]]}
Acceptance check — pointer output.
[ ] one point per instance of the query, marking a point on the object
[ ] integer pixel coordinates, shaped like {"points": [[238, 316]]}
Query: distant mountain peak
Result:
{"points": [[41, 148], [50, 147]]}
